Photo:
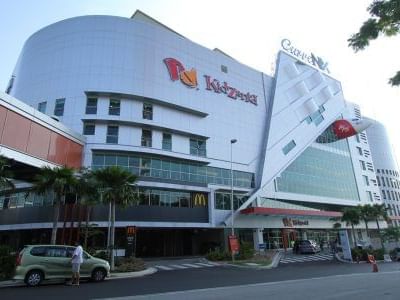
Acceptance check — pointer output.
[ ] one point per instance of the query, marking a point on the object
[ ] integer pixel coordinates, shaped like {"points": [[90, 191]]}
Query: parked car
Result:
{"points": [[305, 246], [36, 263]]}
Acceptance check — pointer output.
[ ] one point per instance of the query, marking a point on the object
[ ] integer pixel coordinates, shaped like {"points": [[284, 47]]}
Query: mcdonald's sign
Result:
{"points": [[199, 199]]}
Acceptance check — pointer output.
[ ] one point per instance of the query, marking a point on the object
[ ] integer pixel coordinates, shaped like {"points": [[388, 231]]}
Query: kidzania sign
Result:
{"points": [[177, 71], [312, 59]]}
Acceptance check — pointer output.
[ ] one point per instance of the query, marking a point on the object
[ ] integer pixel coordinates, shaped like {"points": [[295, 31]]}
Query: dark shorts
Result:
{"points": [[76, 267]]}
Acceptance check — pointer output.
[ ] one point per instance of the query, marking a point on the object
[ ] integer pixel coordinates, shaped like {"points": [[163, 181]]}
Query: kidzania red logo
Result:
{"points": [[178, 72]]}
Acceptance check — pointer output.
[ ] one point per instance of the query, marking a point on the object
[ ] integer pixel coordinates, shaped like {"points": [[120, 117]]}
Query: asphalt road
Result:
{"points": [[322, 280]]}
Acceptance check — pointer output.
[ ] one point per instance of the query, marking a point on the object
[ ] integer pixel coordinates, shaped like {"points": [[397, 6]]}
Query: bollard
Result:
{"points": [[372, 260]]}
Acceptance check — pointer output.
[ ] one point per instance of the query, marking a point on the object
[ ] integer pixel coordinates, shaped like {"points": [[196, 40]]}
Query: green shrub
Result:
{"points": [[7, 263], [129, 264], [246, 251], [218, 254], [363, 254]]}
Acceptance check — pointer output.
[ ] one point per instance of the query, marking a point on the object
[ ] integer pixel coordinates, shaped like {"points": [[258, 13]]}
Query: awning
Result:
{"points": [[288, 212]]}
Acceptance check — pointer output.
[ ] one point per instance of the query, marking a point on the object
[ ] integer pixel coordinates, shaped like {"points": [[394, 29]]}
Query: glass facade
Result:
{"points": [[324, 170], [21, 199], [165, 168], [146, 197], [223, 200]]}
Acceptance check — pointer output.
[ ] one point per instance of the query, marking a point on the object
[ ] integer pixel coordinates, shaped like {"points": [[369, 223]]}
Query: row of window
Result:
{"points": [[388, 172], [223, 200], [147, 197], [58, 108], [114, 107], [390, 195], [146, 166], [197, 146], [393, 210], [389, 182]]}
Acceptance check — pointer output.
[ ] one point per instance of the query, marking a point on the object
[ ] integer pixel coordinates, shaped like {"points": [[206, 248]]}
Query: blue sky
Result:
{"points": [[249, 31]]}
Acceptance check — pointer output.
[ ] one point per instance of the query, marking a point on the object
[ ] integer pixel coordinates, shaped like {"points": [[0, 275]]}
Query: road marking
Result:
{"points": [[205, 265], [191, 265], [163, 268], [178, 266]]}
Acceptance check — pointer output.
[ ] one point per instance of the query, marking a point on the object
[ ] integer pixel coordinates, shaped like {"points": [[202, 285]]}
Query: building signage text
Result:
{"points": [[189, 78], [288, 222], [309, 58]]}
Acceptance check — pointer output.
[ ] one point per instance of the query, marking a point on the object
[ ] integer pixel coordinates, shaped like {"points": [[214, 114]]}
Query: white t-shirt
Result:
{"points": [[77, 257]]}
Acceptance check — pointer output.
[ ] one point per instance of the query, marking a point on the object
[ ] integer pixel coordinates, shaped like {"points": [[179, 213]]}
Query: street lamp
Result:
{"points": [[232, 209]]}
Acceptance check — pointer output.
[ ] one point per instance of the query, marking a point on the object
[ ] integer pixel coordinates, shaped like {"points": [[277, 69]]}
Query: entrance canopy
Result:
{"points": [[266, 211]]}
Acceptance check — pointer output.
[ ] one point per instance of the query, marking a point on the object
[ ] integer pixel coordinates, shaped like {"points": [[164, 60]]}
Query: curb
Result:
{"points": [[113, 276]]}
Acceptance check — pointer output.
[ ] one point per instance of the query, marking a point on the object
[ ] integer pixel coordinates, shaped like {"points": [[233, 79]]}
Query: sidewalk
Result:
{"points": [[113, 276]]}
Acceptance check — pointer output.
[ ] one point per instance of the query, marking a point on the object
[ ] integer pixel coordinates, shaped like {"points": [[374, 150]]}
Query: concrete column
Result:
{"points": [[211, 205], [258, 238], [304, 234]]}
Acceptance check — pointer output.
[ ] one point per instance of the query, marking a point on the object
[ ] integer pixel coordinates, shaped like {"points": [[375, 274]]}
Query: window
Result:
{"points": [[59, 108], [366, 179], [91, 106], [288, 147], [147, 111], [56, 252], [383, 181], [89, 128], [198, 147], [112, 134], [167, 141], [224, 69], [379, 182], [146, 138], [384, 194], [357, 138], [114, 108], [362, 164], [369, 196], [42, 107], [359, 150], [38, 251]]}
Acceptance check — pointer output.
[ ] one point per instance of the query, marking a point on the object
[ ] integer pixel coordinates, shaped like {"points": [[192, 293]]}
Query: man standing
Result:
{"points": [[76, 260]]}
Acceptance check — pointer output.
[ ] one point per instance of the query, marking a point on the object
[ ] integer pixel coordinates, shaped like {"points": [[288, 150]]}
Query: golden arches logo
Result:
{"points": [[200, 200]]}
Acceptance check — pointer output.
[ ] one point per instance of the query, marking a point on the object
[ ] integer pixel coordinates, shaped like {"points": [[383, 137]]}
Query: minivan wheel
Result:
{"points": [[98, 274], [34, 278]]}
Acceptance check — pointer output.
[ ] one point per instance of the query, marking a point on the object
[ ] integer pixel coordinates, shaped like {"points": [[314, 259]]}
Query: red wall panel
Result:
{"points": [[39, 140], [59, 147], [3, 114], [74, 158], [16, 131]]}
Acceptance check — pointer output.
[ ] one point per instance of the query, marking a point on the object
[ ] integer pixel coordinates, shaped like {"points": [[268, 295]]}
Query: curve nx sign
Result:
{"points": [[311, 58]]}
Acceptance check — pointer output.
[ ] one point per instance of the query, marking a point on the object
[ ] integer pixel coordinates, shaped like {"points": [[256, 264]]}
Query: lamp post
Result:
{"points": [[232, 209]]}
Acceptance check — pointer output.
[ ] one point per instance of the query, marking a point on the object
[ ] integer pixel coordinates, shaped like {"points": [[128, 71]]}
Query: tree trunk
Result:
{"points": [[56, 213], [88, 209], [380, 236], [112, 236], [354, 235], [366, 227]]}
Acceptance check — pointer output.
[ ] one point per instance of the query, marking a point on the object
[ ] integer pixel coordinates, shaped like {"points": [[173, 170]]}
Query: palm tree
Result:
{"points": [[117, 188], [88, 193], [5, 174], [61, 181], [367, 214], [351, 215], [380, 211]]}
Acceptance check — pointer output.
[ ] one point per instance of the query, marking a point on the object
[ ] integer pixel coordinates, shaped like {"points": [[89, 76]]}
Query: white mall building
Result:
{"points": [[178, 114]]}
